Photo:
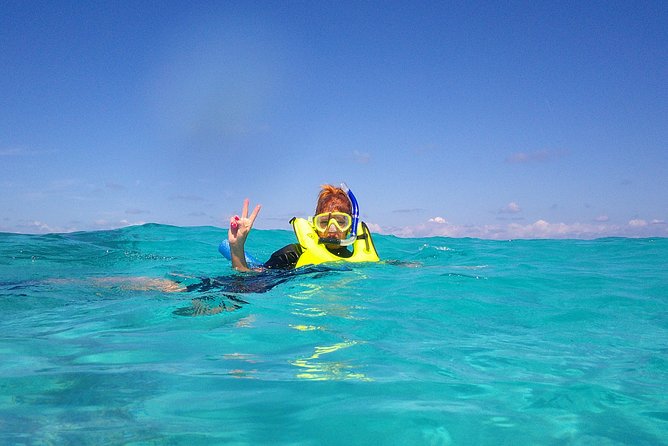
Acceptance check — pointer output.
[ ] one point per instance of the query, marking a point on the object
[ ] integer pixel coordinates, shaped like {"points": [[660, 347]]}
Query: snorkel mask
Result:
{"points": [[355, 213]]}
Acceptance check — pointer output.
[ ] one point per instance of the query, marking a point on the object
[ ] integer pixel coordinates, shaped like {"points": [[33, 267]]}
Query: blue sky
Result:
{"points": [[492, 119]]}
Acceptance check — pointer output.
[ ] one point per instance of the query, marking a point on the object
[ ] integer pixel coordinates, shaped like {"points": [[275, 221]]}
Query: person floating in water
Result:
{"points": [[326, 237]]}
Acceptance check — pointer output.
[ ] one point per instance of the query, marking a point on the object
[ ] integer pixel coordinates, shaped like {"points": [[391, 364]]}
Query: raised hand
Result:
{"points": [[238, 233]]}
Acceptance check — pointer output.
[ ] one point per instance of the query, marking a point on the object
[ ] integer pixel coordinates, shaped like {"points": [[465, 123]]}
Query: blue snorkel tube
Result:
{"points": [[355, 214]]}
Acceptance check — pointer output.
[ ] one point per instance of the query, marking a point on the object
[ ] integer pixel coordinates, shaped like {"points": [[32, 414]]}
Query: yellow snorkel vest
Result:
{"points": [[315, 253]]}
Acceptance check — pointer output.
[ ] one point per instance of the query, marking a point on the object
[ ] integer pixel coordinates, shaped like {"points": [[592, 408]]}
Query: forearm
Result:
{"points": [[238, 256]]}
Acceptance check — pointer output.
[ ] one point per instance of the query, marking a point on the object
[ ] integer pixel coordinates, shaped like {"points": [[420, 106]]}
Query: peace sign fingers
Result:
{"points": [[244, 223], [253, 214]]}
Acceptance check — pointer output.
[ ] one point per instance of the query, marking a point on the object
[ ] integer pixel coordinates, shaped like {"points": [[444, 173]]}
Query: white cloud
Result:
{"points": [[510, 208], [38, 227], [439, 220], [41, 226], [104, 224], [540, 229], [375, 228]]}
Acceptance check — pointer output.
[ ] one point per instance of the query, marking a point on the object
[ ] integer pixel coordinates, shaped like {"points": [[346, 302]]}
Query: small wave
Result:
{"points": [[437, 248]]}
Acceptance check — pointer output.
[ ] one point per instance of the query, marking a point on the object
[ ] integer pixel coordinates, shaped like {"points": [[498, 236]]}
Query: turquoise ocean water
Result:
{"points": [[461, 342]]}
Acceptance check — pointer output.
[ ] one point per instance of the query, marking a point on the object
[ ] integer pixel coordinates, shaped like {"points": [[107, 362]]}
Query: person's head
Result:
{"points": [[332, 200]]}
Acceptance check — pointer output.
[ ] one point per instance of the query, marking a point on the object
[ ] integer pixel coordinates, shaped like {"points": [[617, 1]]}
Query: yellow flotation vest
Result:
{"points": [[315, 253]]}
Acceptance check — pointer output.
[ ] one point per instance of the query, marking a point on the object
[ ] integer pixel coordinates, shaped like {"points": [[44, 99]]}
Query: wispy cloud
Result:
{"points": [[22, 151], [408, 211], [14, 151], [114, 186], [133, 211], [65, 184], [536, 156], [361, 157], [185, 197], [425, 150]]}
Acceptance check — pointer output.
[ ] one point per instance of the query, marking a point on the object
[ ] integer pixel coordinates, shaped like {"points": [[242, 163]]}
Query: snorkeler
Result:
{"points": [[323, 238]]}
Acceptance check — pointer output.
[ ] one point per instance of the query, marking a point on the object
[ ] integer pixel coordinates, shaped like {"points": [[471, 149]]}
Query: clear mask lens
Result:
{"points": [[340, 220]]}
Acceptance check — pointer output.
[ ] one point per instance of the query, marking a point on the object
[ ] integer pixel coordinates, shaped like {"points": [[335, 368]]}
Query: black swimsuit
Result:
{"points": [[279, 269], [284, 258], [282, 261]]}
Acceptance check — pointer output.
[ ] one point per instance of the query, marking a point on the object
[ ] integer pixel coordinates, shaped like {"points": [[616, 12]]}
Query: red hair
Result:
{"points": [[332, 199]]}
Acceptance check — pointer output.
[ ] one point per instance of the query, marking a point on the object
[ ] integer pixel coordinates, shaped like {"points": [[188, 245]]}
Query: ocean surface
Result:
{"points": [[448, 342]]}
